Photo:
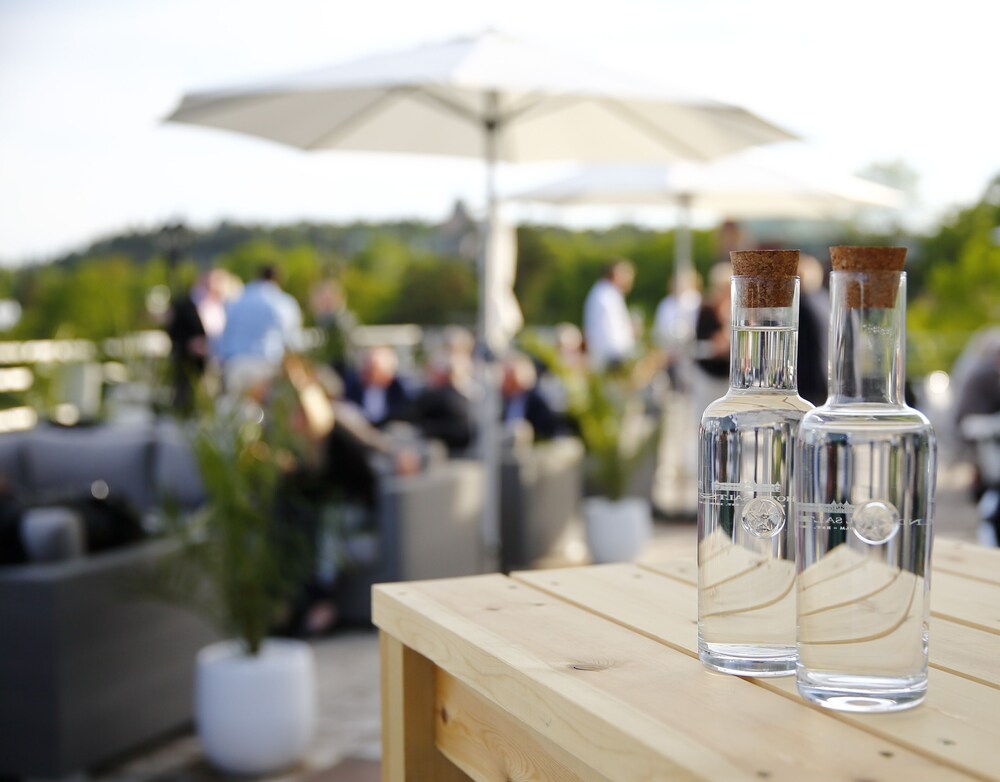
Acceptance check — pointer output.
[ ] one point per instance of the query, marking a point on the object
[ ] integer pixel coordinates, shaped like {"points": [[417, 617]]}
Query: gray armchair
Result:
{"points": [[427, 526], [541, 485]]}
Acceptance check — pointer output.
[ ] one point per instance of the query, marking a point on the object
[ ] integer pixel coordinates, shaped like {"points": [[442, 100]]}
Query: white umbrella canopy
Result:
{"points": [[490, 97], [743, 186], [440, 99]]}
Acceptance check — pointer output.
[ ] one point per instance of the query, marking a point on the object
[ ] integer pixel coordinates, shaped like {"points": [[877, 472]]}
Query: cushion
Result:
{"points": [[66, 463], [52, 534], [175, 472]]}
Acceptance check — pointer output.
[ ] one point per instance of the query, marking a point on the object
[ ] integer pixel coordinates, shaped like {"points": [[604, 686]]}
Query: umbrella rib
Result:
{"points": [[654, 131], [357, 117], [450, 105]]}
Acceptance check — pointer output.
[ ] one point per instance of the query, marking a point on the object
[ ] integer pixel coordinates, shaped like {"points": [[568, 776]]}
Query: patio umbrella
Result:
{"points": [[489, 97], [741, 186]]}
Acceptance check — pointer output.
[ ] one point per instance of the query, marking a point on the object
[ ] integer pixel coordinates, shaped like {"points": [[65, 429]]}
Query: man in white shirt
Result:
{"points": [[260, 326], [607, 324]]}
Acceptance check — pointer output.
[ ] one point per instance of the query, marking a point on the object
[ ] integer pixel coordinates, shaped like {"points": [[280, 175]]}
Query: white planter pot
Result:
{"points": [[616, 530], [255, 714]]}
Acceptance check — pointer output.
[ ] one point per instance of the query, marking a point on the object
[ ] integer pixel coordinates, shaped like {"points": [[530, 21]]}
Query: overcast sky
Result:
{"points": [[85, 83]]}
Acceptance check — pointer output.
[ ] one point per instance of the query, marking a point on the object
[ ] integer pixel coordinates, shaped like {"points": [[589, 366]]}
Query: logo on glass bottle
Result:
{"points": [[763, 517], [875, 522]]}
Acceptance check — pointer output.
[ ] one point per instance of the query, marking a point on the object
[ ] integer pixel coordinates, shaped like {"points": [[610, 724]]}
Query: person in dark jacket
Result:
{"points": [[188, 350], [442, 411], [522, 400], [376, 389]]}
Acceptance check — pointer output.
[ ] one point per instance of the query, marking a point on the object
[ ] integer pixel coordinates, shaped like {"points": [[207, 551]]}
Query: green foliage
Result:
{"points": [[437, 292], [962, 291], [608, 411], [557, 267], [102, 298], [238, 563]]}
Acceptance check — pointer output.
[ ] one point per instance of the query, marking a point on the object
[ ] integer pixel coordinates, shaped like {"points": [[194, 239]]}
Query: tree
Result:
{"points": [[962, 293]]}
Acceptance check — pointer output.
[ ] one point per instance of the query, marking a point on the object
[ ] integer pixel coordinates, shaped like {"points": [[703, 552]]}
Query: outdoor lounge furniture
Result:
{"points": [[426, 526], [89, 669], [592, 673], [541, 485]]}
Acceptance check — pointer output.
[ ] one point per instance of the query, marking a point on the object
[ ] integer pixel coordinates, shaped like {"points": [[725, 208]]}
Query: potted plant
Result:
{"points": [[239, 564], [608, 410]]}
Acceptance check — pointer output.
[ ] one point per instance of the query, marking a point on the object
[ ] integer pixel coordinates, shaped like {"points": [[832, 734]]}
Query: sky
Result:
{"points": [[85, 84]]}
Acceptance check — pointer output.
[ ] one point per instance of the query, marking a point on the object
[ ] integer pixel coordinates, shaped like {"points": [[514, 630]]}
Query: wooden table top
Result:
{"points": [[592, 673]]}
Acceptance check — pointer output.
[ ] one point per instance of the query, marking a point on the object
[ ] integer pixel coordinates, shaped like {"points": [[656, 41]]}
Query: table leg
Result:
{"points": [[409, 749]]}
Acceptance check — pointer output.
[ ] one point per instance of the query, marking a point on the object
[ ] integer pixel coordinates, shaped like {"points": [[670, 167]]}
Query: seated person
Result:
{"points": [[376, 389], [336, 466], [522, 400], [441, 411]]}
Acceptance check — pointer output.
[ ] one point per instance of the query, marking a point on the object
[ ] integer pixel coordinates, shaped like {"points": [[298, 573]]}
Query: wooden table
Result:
{"points": [[591, 673]]}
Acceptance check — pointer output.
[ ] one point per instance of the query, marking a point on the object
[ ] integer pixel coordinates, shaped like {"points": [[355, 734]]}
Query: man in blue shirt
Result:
{"points": [[260, 326]]}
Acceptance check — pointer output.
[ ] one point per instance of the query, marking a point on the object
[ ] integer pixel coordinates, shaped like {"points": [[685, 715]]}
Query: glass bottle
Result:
{"points": [[864, 502], [746, 550]]}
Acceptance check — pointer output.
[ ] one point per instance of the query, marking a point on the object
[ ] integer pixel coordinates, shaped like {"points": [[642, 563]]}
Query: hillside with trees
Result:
{"points": [[412, 272]]}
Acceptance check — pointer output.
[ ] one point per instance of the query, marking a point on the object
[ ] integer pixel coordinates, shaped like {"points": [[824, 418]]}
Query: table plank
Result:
{"points": [[965, 651], [489, 744], [966, 600], [961, 648], [627, 706], [954, 726], [966, 559]]}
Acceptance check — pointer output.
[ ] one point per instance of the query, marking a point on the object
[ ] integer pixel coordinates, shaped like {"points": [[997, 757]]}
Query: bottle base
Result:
{"points": [[759, 660], [865, 694]]}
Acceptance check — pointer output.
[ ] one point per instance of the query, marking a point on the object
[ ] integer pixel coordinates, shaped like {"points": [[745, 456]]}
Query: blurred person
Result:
{"points": [[328, 307], [376, 388], [188, 349], [552, 387], [710, 378], [608, 328], [977, 415], [979, 393], [674, 324], [261, 325], [569, 343], [216, 289], [441, 411], [337, 468], [814, 328], [522, 399]]}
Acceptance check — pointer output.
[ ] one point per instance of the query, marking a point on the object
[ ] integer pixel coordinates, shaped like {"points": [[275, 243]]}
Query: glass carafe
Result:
{"points": [[746, 548], [864, 503]]}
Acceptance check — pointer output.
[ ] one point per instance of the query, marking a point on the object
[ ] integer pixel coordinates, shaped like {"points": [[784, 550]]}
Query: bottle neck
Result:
{"points": [[764, 339], [867, 338]]}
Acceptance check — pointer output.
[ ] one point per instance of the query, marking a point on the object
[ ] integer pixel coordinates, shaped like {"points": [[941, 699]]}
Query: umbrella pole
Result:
{"points": [[683, 256], [489, 424]]}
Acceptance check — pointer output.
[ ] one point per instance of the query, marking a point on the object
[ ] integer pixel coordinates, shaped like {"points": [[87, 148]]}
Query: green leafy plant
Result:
{"points": [[608, 410], [238, 561]]}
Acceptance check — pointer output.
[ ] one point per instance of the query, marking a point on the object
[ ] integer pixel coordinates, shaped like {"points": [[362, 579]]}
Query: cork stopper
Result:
{"points": [[773, 271], [881, 267]]}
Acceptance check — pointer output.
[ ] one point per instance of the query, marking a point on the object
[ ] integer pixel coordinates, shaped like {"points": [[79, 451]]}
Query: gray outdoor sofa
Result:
{"points": [[88, 669]]}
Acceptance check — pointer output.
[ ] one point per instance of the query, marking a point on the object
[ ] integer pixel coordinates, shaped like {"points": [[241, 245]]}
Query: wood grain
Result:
{"points": [[628, 706], [409, 750], [954, 726], [491, 746], [966, 559]]}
